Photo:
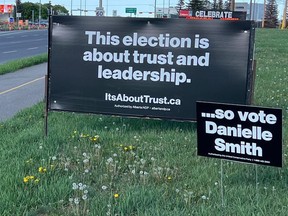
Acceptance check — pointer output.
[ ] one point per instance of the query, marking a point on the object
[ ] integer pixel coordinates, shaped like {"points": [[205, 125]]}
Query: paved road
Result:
{"points": [[20, 44], [21, 89]]}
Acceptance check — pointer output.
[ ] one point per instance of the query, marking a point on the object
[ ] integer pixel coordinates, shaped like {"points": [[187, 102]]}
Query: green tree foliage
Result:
{"points": [[60, 10], [271, 14], [196, 5], [30, 11], [181, 5]]}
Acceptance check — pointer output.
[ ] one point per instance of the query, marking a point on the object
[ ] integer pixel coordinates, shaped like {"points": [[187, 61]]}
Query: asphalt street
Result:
{"points": [[21, 89], [22, 44]]}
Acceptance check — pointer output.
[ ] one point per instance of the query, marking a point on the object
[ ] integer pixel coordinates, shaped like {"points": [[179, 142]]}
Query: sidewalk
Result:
{"points": [[21, 89]]}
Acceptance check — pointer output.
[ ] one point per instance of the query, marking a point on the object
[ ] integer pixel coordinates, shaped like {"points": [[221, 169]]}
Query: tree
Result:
{"points": [[59, 10], [271, 14], [181, 5], [196, 5], [30, 11]]}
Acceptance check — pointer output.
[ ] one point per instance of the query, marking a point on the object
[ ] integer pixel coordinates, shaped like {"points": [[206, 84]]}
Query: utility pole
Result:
{"points": [[232, 6], [263, 20], [155, 15], [283, 26]]}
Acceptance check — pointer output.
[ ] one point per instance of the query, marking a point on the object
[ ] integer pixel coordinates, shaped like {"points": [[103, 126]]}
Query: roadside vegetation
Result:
{"points": [[104, 165], [15, 65]]}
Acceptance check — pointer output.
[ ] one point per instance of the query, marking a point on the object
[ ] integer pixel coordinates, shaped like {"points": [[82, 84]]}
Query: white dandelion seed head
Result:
{"points": [[110, 160], [54, 158], [76, 200], [104, 187], [74, 186], [142, 161]]}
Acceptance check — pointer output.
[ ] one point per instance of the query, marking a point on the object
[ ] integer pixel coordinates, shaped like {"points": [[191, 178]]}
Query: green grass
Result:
{"points": [[15, 65], [152, 165]]}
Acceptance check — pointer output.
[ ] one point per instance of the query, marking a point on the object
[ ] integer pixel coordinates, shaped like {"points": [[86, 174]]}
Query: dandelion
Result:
{"points": [[110, 160], [97, 146], [76, 200], [25, 179], [86, 160], [42, 169], [203, 197], [74, 186], [84, 197], [54, 158], [116, 195], [71, 200], [104, 187], [85, 191], [94, 138]]}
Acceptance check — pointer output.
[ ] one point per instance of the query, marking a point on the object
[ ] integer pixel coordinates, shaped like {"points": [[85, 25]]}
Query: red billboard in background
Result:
{"points": [[6, 8]]}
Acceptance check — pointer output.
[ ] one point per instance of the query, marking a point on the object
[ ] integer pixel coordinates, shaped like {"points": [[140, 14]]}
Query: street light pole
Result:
{"points": [[39, 17], [155, 9]]}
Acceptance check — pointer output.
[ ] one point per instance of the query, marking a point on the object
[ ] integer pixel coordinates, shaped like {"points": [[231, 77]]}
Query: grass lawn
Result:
{"points": [[103, 165]]}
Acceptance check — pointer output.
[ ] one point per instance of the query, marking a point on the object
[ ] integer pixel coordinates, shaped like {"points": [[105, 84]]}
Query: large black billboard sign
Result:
{"points": [[241, 133], [154, 68]]}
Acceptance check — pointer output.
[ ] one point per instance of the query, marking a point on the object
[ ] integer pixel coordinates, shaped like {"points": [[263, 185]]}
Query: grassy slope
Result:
{"points": [[15, 65], [169, 178]]}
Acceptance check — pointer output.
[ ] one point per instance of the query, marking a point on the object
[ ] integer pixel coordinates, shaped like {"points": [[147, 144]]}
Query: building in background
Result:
{"points": [[256, 13]]}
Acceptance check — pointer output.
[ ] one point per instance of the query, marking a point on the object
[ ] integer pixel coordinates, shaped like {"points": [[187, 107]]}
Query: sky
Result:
{"points": [[145, 6]]}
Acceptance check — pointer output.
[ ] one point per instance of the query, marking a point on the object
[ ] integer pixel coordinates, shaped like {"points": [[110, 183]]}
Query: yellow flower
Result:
{"points": [[25, 179], [126, 148], [116, 195], [42, 169], [37, 180], [169, 178], [94, 138]]}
